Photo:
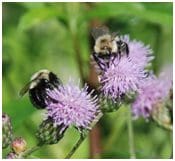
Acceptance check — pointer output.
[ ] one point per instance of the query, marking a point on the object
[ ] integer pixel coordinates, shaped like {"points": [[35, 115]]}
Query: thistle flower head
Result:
{"points": [[153, 91], [123, 76], [74, 106]]}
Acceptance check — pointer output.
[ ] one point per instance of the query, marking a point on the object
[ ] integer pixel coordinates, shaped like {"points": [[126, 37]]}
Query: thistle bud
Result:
{"points": [[19, 145], [49, 133], [11, 155], [6, 131], [108, 105]]}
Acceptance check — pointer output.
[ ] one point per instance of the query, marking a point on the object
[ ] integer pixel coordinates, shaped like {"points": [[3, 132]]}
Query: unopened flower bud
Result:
{"points": [[108, 105], [11, 155], [6, 131], [49, 133], [19, 145]]}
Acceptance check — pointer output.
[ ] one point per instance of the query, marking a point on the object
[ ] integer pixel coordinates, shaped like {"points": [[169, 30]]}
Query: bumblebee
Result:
{"points": [[107, 45], [37, 87]]}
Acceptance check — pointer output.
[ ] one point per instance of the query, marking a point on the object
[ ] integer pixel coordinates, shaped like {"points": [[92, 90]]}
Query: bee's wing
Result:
{"points": [[24, 89], [99, 31]]}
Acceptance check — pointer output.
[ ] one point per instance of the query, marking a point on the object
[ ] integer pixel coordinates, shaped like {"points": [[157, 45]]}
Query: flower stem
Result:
{"points": [[30, 151], [81, 139], [131, 135]]}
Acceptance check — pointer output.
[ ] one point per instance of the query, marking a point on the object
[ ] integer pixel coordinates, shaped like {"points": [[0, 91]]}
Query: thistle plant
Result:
{"points": [[125, 80]]}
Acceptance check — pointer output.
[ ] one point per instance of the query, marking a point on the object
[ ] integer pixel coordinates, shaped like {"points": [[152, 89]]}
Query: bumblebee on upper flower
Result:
{"points": [[107, 45], [122, 68]]}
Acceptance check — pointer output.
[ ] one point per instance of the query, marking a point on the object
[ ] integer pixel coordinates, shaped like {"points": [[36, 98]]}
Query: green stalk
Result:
{"points": [[83, 137], [131, 135], [76, 146]]}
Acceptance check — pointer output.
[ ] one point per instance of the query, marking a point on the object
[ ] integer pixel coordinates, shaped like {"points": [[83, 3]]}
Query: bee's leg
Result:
{"points": [[127, 49], [119, 49], [113, 56], [122, 47], [101, 64], [106, 58], [119, 53]]}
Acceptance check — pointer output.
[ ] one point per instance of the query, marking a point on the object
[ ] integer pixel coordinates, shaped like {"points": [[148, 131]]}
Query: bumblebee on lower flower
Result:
{"points": [[39, 83]]}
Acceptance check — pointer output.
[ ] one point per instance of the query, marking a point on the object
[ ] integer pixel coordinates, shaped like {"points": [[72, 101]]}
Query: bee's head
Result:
{"points": [[44, 76], [40, 76], [105, 44]]}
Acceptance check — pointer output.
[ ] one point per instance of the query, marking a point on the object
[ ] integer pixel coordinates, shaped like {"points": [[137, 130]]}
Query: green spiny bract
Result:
{"points": [[6, 131], [48, 133]]}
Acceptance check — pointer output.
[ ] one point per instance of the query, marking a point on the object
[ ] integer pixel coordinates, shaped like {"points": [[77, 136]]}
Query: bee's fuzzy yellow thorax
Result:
{"points": [[105, 40]]}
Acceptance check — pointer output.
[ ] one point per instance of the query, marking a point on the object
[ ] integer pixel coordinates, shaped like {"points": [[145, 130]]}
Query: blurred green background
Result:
{"points": [[56, 36]]}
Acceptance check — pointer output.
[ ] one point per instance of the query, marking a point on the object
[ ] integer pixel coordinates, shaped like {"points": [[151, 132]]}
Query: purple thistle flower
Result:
{"points": [[75, 106], [153, 91], [123, 76]]}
